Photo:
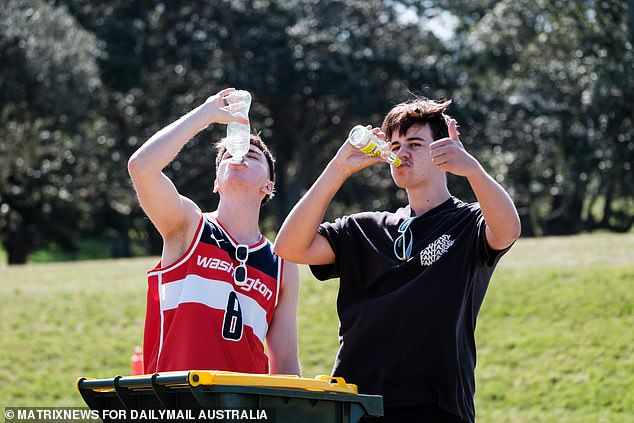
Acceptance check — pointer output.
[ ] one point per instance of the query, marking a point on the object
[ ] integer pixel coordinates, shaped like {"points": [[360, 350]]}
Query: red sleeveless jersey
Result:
{"points": [[198, 318]]}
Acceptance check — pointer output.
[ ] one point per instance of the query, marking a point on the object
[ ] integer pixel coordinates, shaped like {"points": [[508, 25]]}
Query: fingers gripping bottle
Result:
{"points": [[362, 138], [238, 134]]}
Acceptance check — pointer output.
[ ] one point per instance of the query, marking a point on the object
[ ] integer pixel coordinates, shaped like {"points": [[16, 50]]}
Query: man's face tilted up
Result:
{"points": [[250, 175]]}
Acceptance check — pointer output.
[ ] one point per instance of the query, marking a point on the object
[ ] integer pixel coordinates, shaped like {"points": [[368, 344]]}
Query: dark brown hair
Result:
{"points": [[221, 148], [419, 111]]}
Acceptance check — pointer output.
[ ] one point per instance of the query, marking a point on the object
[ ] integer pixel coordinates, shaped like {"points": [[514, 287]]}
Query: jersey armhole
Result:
{"points": [[192, 246]]}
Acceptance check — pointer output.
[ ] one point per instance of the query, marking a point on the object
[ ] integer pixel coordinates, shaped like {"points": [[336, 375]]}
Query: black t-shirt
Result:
{"points": [[407, 328]]}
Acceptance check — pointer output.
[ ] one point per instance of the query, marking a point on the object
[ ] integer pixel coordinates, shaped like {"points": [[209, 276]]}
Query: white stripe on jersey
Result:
{"points": [[280, 270], [159, 281], [213, 293]]}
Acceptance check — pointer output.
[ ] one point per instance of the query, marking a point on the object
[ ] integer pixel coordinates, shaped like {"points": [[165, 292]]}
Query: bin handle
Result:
{"points": [[336, 379], [80, 380]]}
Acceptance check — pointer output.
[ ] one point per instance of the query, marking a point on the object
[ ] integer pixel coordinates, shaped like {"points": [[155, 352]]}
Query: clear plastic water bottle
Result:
{"points": [[238, 134], [362, 138]]}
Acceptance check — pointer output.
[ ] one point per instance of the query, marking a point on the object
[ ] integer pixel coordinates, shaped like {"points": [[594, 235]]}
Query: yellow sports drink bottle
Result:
{"points": [[362, 138]]}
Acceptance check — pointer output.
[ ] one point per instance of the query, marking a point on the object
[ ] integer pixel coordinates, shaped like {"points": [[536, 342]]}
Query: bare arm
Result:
{"points": [[298, 239], [502, 222], [174, 216], [281, 338]]}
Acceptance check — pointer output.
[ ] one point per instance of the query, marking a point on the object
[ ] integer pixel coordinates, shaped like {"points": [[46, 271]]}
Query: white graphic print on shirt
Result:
{"points": [[435, 250]]}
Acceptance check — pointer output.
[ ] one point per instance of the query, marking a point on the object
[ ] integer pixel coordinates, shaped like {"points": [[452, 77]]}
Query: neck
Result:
{"points": [[240, 217], [426, 198]]}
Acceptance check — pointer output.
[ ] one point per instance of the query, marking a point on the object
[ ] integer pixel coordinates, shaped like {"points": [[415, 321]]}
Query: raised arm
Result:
{"points": [[170, 212], [281, 339], [502, 222], [298, 239]]}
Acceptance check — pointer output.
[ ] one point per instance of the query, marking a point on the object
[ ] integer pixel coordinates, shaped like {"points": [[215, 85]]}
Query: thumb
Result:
{"points": [[453, 131]]}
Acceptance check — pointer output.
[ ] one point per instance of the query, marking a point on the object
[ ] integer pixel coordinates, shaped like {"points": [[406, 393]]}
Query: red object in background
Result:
{"points": [[137, 361]]}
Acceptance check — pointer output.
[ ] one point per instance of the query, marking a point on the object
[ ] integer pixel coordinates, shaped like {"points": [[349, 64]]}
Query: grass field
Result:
{"points": [[555, 335]]}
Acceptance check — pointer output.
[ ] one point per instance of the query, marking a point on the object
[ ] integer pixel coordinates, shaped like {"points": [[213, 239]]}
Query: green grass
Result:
{"points": [[555, 338]]}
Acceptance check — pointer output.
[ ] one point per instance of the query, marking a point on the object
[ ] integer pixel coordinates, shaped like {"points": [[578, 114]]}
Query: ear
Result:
{"points": [[216, 187], [268, 188]]}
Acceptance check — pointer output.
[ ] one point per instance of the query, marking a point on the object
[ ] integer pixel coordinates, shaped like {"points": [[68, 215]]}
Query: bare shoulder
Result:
{"points": [[177, 241]]}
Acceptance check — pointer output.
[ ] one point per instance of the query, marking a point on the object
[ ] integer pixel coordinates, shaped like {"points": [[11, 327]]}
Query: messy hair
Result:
{"points": [[419, 111]]}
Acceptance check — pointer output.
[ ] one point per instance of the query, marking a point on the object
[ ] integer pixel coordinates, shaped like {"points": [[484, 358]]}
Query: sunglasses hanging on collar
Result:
{"points": [[403, 244], [240, 271]]}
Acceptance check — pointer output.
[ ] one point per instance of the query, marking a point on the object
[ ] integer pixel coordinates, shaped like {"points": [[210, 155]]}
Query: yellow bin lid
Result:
{"points": [[321, 383]]}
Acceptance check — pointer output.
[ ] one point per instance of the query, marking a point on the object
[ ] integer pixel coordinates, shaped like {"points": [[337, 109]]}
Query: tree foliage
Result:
{"points": [[540, 89], [551, 91], [49, 76]]}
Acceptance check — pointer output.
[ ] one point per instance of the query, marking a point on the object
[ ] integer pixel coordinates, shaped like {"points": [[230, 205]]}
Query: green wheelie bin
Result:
{"points": [[227, 396]]}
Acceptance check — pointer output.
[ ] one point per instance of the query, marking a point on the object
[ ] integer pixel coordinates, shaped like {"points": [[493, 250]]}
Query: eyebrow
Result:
{"points": [[410, 139], [256, 150]]}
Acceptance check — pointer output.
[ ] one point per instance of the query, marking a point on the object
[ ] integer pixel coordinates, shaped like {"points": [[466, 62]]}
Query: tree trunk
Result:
{"points": [[19, 245], [607, 207], [121, 245], [155, 241], [565, 217]]}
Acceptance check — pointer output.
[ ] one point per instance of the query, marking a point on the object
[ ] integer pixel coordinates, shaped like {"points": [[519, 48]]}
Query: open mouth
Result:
{"points": [[239, 164]]}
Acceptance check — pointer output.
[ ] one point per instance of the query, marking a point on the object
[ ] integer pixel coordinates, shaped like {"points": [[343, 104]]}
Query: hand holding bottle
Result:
{"points": [[349, 159], [371, 144], [217, 111]]}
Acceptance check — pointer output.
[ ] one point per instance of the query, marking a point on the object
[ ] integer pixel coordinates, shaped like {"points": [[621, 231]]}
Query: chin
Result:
{"points": [[398, 177], [401, 186], [399, 182]]}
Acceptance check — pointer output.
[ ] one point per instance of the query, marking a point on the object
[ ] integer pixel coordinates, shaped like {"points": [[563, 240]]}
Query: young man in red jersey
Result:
{"points": [[219, 293], [411, 281]]}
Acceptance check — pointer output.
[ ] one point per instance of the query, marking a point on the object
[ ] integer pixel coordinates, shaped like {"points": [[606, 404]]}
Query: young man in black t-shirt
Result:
{"points": [[411, 282]]}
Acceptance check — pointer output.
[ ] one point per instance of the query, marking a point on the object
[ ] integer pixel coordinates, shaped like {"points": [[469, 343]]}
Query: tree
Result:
{"points": [[551, 81], [49, 74]]}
